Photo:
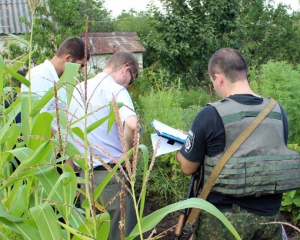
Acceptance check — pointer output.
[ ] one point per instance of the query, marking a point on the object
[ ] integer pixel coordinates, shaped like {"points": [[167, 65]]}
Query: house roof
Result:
{"points": [[111, 42], [10, 12]]}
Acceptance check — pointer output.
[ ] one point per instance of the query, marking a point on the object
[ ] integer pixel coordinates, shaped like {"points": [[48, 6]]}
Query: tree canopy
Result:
{"points": [[186, 33], [56, 20]]}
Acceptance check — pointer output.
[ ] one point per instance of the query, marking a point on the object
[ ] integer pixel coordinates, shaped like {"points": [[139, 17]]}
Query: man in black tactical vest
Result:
{"points": [[249, 188]]}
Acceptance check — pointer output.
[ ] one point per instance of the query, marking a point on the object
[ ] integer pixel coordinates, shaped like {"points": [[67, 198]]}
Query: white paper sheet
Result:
{"points": [[163, 128], [164, 146]]}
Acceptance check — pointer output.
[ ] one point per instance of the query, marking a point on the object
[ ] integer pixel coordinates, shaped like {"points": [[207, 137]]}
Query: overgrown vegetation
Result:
{"points": [[172, 88]]}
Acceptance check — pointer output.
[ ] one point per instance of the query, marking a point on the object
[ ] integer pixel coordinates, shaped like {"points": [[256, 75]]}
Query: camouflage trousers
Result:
{"points": [[246, 224]]}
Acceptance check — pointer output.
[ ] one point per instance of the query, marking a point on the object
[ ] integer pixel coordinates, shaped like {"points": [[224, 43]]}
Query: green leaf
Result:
{"points": [[17, 76], [112, 118], [19, 65], [9, 217], [146, 164], [296, 201], [96, 124], [1, 74], [73, 151], [17, 200], [150, 221], [105, 181], [102, 228], [19, 153], [41, 130], [69, 77], [46, 222], [66, 186], [78, 132], [49, 177], [9, 131], [26, 105], [77, 235], [19, 39], [28, 165], [27, 231], [14, 107]]}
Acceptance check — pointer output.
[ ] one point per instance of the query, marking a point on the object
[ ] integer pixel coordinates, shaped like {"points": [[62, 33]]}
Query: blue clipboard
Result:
{"points": [[171, 138]]}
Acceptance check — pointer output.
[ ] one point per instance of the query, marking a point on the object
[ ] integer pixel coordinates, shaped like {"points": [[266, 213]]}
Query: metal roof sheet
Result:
{"points": [[111, 42], [10, 12]]}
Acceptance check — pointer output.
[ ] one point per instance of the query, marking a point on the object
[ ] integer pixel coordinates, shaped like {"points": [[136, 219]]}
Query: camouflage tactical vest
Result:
{"points": [[262, 164]]}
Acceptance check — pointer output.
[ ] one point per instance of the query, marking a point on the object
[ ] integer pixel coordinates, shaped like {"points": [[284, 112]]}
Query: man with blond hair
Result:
{"points": [[106, 146]]}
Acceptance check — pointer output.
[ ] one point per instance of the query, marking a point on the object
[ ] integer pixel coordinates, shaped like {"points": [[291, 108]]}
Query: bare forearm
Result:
{"points": [[186, 166], [130, 125], [129, 135]]}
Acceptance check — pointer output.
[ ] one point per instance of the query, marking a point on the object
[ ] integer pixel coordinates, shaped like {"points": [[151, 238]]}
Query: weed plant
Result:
{"points": [[280, 81], [167, 182]]}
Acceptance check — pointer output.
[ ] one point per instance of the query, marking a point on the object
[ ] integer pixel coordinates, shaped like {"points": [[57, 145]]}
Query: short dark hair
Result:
{"points": [[74, 46], [120, 59], [229, 62]]}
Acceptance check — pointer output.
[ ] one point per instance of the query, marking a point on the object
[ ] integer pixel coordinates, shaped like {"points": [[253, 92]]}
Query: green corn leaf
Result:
{"points": [[19, 64], [16, 75], [102, 228], [1, 74], [25, 230], [48, 178], [145, 152], [69, 76], [112, 117], [66, 186], [78, 132], [9, 134], [46, 222], [37, 157], [26, 105], [71, 151], [41, 129], [77, 234], [19, 39], [5, 215], [17, 200], [96, 124], [19, 153], [28, 165], [104, 182], [14, 107], [150, 221]]}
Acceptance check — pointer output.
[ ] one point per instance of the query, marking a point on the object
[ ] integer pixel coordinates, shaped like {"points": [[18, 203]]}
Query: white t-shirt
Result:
{"points": [[100, 91], [42, 78]]}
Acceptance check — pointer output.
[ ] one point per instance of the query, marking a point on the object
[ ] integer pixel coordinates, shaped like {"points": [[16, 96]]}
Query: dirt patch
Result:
{"points": [[166, 226]]}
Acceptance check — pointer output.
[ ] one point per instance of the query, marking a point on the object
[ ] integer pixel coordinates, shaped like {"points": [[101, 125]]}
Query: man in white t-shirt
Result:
{"points": [[43, 76], [120, 71]]}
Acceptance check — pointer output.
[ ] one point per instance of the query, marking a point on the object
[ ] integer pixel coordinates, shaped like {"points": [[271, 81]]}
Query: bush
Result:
{"points": [[167, 182], [280, 81]]}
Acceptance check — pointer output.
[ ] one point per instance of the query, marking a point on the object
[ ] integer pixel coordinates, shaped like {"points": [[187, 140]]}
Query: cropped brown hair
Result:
{"points": [[229, 62], [74, 46], [120, 59]]}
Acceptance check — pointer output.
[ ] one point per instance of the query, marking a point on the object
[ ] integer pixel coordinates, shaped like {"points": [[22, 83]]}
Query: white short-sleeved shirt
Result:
{"points": [[100, 91], [42, 78]]}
